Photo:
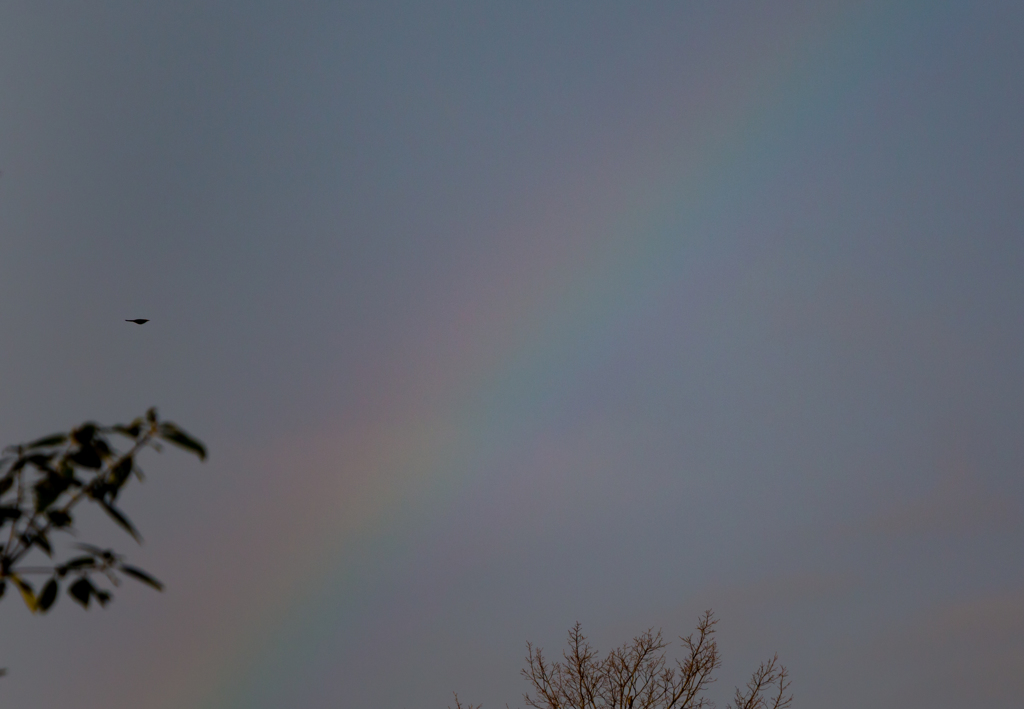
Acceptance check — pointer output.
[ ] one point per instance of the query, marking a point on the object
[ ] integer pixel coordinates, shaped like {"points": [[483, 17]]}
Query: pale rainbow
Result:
{"points": [[575, 274]]}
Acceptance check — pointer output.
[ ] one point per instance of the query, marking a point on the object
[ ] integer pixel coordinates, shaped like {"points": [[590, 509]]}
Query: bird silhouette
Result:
{"points": [[138, 321]]}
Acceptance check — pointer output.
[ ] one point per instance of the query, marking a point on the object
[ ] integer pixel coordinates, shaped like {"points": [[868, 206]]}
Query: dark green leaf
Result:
{"points": [[94, 550], [142, 576], [9, 513], [43, 543], [120, 472], [79, 562], [84, 433], [171, 433], [102, 597], [3, 587], [87, 457], [49, 489], [80, 590], [133, 429], [5, 483], [120, 519], [27, 594], [101, 447], [99, 490], [58, 519], [48, 595], [41, 461], [54, 440]]}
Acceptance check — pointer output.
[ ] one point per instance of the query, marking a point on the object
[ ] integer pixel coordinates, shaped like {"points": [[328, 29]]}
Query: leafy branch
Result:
{"points": [[42, 484]]}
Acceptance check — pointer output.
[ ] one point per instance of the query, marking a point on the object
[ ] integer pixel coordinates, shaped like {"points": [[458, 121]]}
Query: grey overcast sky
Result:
{"points": [[500, 316]]}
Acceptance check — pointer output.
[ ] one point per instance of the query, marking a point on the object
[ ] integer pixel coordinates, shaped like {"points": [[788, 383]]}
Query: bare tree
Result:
{"points": [[460, 705], [638, 675], [760, 693]]}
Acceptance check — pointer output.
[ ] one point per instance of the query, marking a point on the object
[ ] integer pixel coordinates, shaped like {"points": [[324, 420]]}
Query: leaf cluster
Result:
{"points": [[42, 484]]}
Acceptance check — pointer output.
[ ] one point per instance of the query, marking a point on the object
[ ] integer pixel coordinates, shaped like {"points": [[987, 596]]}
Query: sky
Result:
{"points": [[496, 317]]}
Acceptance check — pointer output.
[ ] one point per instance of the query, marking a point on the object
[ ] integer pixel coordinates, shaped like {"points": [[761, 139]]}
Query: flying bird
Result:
{"points": [[138, 321]]}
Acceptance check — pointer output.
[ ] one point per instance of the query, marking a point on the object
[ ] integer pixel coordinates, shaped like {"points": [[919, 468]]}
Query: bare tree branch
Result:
{"points": [[637, 675], [767, 675]]}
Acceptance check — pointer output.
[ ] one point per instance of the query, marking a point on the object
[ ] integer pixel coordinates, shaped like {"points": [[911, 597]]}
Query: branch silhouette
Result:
{"points": [[638, 675], [42, 485]]}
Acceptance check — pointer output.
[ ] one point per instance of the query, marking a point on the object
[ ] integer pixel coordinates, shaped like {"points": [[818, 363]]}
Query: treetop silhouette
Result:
{"points": [[638, 675]]}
